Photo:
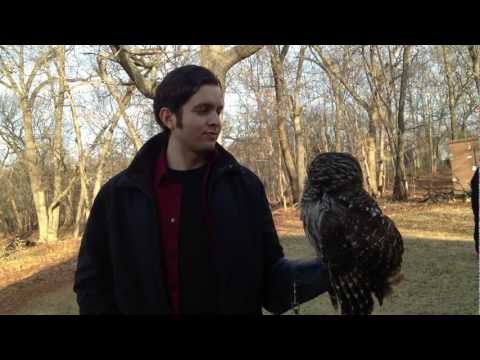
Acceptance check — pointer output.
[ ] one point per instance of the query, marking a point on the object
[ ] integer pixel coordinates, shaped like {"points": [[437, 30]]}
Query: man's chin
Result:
{"points": [[207, 147]]}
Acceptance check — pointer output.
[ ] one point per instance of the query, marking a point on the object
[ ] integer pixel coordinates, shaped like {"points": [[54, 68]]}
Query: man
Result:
{"points": [[475, 204], [185, 229]]}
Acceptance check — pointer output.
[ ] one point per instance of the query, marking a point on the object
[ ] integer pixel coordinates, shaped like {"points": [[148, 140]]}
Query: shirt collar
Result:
{"points": [[161, 165]]}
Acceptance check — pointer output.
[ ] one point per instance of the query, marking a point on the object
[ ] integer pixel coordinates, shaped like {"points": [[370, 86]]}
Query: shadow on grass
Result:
{"points": [[47, 292], [441, 278]]}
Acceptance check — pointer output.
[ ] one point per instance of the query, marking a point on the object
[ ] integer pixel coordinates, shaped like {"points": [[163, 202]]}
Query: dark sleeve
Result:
{"points": [[475, 204], [310, 276], [93, 280]]}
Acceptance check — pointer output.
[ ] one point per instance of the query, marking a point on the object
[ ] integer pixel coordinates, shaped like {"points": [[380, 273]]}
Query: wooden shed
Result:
{"points": [[464, 158]]}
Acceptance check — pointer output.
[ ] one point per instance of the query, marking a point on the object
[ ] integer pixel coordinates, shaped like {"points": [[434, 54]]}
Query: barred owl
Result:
{"points": [[361, 247]]}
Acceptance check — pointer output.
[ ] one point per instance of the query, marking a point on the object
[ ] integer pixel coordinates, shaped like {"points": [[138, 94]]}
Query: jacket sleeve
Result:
{"points": [[309, 276], [93, 280]]}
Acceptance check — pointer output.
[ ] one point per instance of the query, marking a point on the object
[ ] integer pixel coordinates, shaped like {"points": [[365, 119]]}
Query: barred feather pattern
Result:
{"points": [[361, 246]]}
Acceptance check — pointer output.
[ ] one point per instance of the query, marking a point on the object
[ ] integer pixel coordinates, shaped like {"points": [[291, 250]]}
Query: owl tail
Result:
{"points": [[390, 262], [353, 293], [391, 282]]}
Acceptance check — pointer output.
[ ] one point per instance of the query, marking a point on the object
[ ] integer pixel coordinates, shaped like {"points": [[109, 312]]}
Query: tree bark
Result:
{"points": [[78, 215], [281, 111], [82, 167], [374, 118], [54, 211], [381, 162], [297, 116], [400, 184], [452, 104], [18, 218], [338, 112], [34, 172], [474, 51]]}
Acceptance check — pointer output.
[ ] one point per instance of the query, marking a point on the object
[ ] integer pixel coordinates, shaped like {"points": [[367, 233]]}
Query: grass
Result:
{"points": [[60, 301], [440, 279], [440, 266]]}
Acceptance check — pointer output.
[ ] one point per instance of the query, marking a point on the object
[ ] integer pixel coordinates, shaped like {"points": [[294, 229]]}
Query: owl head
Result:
{"points": [[333, 172]]}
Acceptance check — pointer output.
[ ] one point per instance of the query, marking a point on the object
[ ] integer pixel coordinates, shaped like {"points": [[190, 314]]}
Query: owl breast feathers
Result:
{"points": [[361, 247]]}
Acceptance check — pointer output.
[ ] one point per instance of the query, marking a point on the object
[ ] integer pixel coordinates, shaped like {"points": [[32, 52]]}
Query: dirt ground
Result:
{"points": [[39, 280]]}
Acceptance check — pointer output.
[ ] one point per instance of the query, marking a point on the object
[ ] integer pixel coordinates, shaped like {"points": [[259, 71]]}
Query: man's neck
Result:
{"points": [[179, 158]]}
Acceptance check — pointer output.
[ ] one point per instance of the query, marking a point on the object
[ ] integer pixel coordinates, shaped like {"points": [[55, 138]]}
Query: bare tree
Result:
{"points": [[371, 106], [59, 99], [296, 111], [277, 59], [474, 51], [217, 58], [400, 189], [13, 68], [115, 92], [452, 96]]}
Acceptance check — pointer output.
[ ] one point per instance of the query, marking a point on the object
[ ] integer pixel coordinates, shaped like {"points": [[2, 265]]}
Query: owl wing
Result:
{"points": [[378, 245], [324, 229], [326, 225]]}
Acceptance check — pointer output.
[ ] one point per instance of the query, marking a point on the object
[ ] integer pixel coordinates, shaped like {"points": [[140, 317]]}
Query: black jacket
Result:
{"points": [[475, 204], [119, 265]]}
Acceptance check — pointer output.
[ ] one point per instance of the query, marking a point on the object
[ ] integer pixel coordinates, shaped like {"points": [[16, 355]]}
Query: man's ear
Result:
{"points": [[167, 118]]}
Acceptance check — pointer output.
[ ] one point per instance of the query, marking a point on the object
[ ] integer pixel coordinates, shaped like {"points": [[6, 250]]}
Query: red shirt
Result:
{"points": [[168, 194]]}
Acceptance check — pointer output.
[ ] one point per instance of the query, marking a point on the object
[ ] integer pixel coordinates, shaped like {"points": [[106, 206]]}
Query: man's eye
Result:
{"points": [[203, 110]]}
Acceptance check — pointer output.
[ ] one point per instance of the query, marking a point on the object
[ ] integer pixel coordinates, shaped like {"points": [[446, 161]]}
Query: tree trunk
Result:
{"points": [[213, 58], [18, 219], [81, 155], [78, 215], [34, 172], [54, 212], [68, 219], [373, 117], [474, 51], [300, 153], [400, 185], [429, 157], [296, 111], [281, 110], [338, 112], [281, 182], [381, 163], [451, 91], [219, 60]]}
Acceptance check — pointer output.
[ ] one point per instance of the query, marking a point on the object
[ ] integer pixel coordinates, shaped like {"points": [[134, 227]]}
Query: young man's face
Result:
{"points": [[200, 120]]}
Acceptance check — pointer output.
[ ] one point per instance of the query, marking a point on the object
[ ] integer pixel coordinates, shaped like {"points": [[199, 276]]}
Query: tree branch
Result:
{"points": [[48, 55], [340, 78], [145, 86], [56, 202], [37, 89], [4, 70], [240, 52]]}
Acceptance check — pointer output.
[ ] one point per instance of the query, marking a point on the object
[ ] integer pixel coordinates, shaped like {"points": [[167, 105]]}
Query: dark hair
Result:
{"points": [[178, 87]]}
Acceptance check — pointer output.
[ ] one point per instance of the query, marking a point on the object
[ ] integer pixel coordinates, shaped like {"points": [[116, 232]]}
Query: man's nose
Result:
{"points": [[215, 119]]}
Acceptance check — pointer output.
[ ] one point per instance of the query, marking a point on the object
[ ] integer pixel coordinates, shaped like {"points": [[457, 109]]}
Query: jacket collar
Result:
{"points": [[141, 170]]}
